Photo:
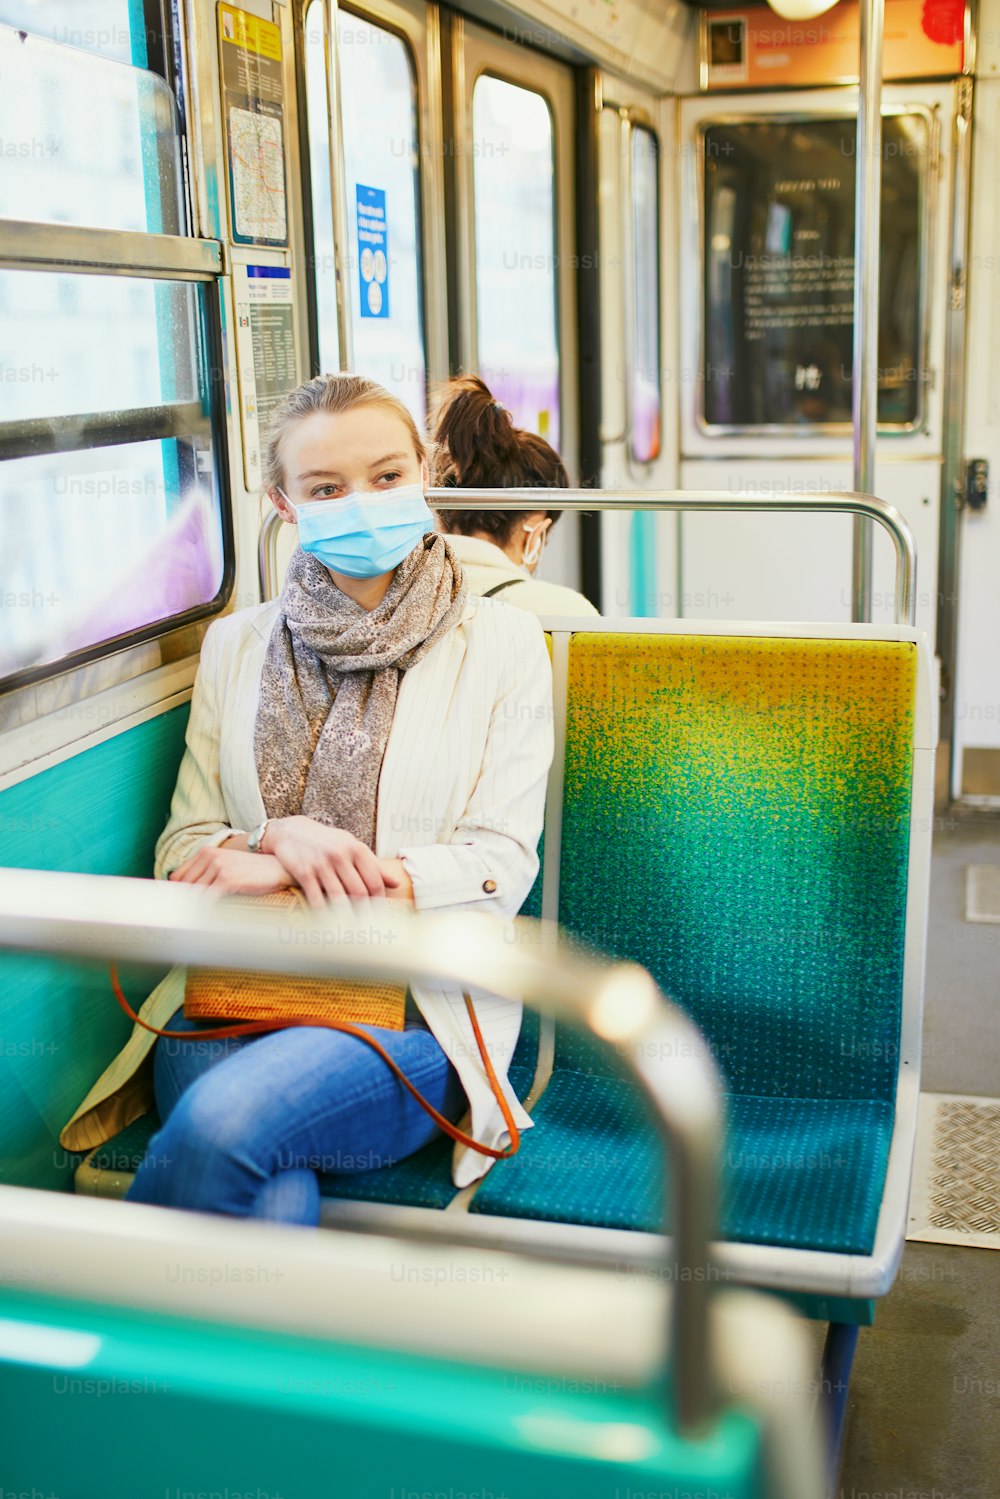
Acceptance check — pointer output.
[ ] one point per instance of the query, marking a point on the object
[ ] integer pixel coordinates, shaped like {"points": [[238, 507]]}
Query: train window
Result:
{"points": [[518, 346], [100, 543], [324, 255], [645, 374], [778, 301], [53, 333], [111, 523], [381, 151], [108, 27], [86, 141]]}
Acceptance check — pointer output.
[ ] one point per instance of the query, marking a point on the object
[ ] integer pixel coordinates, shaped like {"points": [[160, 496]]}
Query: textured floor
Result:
{"points": [[924, 1416], [962, 1014]]}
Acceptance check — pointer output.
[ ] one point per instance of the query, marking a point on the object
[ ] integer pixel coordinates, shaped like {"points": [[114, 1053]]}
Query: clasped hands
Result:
{"points": [[323, 862]]}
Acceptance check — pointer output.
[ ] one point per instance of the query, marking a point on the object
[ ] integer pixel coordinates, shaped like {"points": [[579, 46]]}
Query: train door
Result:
{"points": [[767, 224], [636, 163], [378, 299], [516, 261], [376, 187], [971, 702]]}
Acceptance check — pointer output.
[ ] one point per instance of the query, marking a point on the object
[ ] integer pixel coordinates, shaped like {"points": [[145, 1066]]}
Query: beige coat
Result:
{"points": [[486, 565], [460, 799]]}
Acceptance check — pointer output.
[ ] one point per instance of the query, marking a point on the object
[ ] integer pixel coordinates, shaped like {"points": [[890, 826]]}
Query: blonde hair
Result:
{"points": [[335, 394]]}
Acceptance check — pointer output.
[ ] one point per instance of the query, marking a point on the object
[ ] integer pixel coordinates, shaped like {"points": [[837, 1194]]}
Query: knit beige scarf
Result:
{"points": [[331, 677]]}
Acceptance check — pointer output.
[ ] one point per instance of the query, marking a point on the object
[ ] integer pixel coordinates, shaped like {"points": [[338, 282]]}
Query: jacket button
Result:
{"points": [[489, 886]]}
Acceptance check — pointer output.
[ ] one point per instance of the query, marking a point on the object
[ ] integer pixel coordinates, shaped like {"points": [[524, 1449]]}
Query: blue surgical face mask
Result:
{"points": [[364, 534]]}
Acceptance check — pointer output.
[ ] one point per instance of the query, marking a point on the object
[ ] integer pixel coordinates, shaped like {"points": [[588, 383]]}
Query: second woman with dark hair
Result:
{"points": [[477, 445]]}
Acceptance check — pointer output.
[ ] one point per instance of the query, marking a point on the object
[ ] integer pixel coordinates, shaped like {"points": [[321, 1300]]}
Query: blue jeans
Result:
{"points": [[249, 1121]]}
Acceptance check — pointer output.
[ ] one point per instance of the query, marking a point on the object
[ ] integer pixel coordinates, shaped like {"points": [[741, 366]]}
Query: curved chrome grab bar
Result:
{"points": [[618, 1002], [838, 503]]}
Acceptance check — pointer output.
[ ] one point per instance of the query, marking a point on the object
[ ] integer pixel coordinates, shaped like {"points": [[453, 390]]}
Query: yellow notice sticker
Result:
{"points": [[249, 32]]}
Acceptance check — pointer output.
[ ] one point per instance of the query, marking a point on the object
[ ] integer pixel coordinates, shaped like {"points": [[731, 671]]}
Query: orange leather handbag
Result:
{"points": [[261, 1002]]}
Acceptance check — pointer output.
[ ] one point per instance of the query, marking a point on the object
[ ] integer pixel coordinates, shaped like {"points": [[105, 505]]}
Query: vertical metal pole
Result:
{"points": [[867, 203], [338, 188]]}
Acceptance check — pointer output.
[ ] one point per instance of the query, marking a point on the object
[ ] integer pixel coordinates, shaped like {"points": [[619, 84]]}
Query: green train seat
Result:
{"points": [[746, 812], [748, 815]]}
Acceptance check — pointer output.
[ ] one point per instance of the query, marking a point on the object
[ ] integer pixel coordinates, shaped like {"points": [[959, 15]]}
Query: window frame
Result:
{"points": [[929, 172], [79, 249], [634, 121], [474, 48], [426, 189], [488, 70]]}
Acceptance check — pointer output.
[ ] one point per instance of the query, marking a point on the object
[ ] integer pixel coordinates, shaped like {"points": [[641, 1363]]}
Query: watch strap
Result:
{"points": [[256, 837]]}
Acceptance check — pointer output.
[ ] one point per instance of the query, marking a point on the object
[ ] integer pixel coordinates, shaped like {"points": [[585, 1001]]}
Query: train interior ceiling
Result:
{"points": [[636, 219]]}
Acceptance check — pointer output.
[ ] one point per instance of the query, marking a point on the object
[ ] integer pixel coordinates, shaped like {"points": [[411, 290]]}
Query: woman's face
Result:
{"points": [[331, 454]]}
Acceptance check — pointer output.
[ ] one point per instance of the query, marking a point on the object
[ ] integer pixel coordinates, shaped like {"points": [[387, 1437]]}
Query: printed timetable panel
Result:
{"points": [[778, 261], [253, 100], [265, 354]]}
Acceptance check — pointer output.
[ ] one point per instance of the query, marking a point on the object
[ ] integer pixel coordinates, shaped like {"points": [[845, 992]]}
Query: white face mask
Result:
{"points": [[533, 552]]}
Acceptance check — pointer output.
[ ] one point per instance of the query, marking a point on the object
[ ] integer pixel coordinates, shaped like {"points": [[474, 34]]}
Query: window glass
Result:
{"points": [[324, 259], [110, 517], [86, 141], [102, 542], [102, 26], [381, 149], [516, 316], [71, 344], [778, 302], [646, 334]]}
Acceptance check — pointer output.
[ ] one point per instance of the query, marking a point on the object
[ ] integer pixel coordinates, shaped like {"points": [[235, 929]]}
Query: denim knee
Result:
{"points": [[215, 1119], [204, 1158]]}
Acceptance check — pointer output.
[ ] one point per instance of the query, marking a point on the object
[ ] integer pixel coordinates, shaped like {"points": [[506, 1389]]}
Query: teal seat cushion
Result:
{"points": [[795, 1173], [124, 1151], [424, 1180], [801, 1173]]}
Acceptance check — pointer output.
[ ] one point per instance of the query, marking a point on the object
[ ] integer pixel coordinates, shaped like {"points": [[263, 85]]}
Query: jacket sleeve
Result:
{"points": [[491, 857], [198, 814]]}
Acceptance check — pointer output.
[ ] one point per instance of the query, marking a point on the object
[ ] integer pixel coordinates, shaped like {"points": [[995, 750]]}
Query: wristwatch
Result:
{"points": [[256, 838]]}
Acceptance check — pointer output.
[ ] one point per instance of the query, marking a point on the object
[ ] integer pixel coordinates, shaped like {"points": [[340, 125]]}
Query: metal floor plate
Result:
{"points": [[982, 892], [955, 1194]]}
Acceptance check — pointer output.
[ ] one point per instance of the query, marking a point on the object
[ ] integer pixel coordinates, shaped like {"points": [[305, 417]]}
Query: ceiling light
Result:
{"points": [[800, 10]]}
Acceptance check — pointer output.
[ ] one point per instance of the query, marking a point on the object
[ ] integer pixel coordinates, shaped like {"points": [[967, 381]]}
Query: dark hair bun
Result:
{"points": [[475, 430], [478, 447]]}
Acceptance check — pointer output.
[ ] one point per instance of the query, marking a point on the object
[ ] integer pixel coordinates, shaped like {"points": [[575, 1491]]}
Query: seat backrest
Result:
{"points": [[96, 812], [736, 816]]}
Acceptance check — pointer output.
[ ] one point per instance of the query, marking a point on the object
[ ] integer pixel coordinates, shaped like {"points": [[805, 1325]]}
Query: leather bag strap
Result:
{"points": [[257, 1027], [499, 587]]}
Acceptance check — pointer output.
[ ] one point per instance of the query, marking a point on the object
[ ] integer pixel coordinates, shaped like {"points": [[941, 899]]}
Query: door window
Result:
{"points": [[645, 374], [516, 253]]}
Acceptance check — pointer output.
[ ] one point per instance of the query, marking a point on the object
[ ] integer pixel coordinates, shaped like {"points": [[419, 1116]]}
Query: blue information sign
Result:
{"points": [[373, 252]]}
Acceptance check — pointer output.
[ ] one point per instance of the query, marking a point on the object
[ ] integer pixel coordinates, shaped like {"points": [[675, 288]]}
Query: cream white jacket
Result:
{"points": [[461, 796], [485, 565]]}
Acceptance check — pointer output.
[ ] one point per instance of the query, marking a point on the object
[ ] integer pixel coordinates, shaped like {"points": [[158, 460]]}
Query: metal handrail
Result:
{"points": [[867, 211], [835, 502], [29, 436], [108, 252], [132, 920]]}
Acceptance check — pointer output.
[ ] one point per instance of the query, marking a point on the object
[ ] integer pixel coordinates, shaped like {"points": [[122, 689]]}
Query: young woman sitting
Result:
{"points": [[373, 732]]}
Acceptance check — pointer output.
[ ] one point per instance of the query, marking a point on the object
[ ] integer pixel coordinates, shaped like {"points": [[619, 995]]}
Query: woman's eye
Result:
{"points": [[324, 492], [391, 477]]}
